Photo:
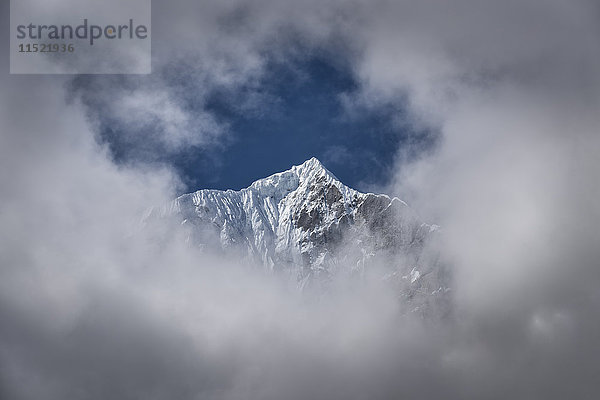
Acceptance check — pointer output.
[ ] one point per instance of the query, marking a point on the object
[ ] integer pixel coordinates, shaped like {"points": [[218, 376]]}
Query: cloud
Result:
{"points": [[511, 182], [92, 307], [199, 51]]}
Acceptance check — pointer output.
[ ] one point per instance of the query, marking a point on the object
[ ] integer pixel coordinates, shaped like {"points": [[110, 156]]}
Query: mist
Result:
{"points": [[94, 304]]}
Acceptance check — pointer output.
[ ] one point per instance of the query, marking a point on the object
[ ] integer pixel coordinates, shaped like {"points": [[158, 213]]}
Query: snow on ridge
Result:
{"points": [[295, 220]]}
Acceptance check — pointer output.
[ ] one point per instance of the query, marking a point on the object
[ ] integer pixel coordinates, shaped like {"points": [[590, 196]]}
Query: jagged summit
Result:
{"points": [[301, 178], [309, 171], [313, 169], [306, 222]]}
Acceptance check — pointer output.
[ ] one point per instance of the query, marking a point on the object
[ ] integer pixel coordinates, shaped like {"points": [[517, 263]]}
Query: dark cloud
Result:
{"points": [[92, 307]]}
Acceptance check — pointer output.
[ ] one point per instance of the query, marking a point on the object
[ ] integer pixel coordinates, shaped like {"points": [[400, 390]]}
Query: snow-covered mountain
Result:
{"points": [[307, 223]]}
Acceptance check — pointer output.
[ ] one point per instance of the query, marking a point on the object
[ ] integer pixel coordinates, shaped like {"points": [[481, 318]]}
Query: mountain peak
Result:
{"points": [[305, 222], [281, 183], [312, 169], [313, 161]]}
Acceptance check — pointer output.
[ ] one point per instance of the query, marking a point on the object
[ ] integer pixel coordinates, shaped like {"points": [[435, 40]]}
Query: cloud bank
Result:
{"points": [[92, 307]]}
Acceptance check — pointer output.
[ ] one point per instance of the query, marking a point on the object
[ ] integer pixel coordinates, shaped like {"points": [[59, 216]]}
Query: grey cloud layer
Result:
{"points": [[91, 308]]}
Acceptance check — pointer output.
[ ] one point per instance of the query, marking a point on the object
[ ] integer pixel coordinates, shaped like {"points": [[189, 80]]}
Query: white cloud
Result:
{"points": [[88, 310]]}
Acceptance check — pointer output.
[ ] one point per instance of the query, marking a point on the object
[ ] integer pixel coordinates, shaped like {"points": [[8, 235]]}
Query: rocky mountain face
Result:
{"points": [[306, 223]]}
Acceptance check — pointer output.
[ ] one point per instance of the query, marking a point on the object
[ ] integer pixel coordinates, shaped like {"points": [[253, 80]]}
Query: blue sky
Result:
{"points": [[293, 112], [306, 120], [242, 89]]}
